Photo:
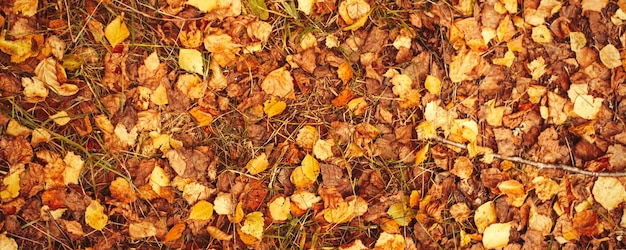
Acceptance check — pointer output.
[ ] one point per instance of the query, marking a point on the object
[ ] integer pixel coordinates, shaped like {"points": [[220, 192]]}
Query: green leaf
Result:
{"points": [[259, 8]]}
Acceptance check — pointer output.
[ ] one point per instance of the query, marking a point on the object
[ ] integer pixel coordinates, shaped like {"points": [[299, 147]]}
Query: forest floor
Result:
{"points": [[312, 124]]}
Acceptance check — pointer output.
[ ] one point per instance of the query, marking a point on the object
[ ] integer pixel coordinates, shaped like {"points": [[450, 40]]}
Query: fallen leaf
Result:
{"points": [[432, 84], [343, 98], [204, 5], [541, 34], [545, 188], [388, 241], [142, 229], [323, 149], [203, 210], [7, 243], [273, 107], [485, 215], [537, 68], [609, 192], [463, 168], [218, 234], [357, 106], [594, 5], [354, 13], [122, 191], [116, 31], [496, 235], [175, 232], [306, 6], [258, 164], [74, 166], [20, 49], [223, 204], [191, 85], [304, 199], [355, 245], [158, 179], [460, 212], [401, 213], [279, 83], [610, 56], [577, 41], [95, 216], [191, 60], [35, 90], [307, 136], [253, 225], [345, 211], [280, 208], [11, 183], [586, 106], [26, 7]]}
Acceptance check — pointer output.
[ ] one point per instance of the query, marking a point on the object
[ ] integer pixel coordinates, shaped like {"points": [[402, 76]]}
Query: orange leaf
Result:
{"points": [[345, 72], [175, 232], [343, 98]]}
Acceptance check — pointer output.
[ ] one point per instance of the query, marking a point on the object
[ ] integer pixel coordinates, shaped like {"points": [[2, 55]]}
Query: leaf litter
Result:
{"points": [[347, 124]]}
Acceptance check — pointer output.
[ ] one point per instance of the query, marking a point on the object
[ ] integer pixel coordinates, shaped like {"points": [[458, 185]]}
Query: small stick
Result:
{"points": [[539, 165]]}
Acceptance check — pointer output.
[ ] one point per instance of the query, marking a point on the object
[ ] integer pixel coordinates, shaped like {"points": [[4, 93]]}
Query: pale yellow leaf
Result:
{"points": [[594, 5], [586, 106], [577, 41], [258, 164], [218, 81], [116, 31], [355, 245], [14, 128], [539, 222], [204, 5], [401, 213], [496, 235], [388, 241], [191, 60], [203, 210], [609, 192], [60, 118], [323, 149], [545, 188], [27, 7], [129, 138], [541, 34], [218, 234], [535, 92], [280, 208], [95, 216], [159, 96], [305, 199], [35, 90], [432, 84], [39, 135], [195, 191], [158, 179], [610, 56], [7, 243], [485, 215], [537, 68], [74, 166], [223, 204], [307, 136], [253, 225], [507, 60], [306, 6]]}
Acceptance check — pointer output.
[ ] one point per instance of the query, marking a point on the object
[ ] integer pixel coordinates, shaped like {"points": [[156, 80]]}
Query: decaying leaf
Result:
{"points": [[279, 83], [11, 183]]}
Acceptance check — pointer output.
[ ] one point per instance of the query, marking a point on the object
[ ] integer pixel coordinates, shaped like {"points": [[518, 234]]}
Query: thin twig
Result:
{"points": [[539, 165]]}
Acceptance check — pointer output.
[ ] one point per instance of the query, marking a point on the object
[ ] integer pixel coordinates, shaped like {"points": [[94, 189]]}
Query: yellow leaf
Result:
{"points": [[432, 84], [238, 216], [485, 215], [507, 60], [218, 81], [14, 128], [39, 135], [7, 243], [222, 48], [27, 7], [537, 68], [545, 188], [495, 114], [304, 199], [541, 34], [496, 235], [577, 41], [273, 107], [609, 192], [306, 6], [323, 149], [354, 13], [175, 232], [253, 225], [116, 31], [158, 179], [95, 216], [203, 118], [20, 49], [426, 130], [594, 5], [204, 5], [358, 106], [401, 213], [142, 229], [279, 83], [535, 92], [34, 89], [310, 167], [11, 183], [387, 241], [346, 210], [307, 136], [610, 56], [126, 137], [463, 168], [203, 210], [345, 72], [258, 164], [279, 208], [60, 118], [191, 60], [159, 96], [74, 165], [586, 106], [299, 179]]}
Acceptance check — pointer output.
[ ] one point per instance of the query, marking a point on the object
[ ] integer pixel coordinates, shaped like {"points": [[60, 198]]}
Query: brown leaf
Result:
{"points": [[586, 222]]}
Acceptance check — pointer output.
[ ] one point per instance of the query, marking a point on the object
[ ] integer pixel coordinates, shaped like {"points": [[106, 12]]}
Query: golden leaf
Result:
{"points": [[273, 107], [204, 5], [191, 60], [191, 85], [577, 41], [95, 216], [307, 136], [14, 128], [11, 183], [203, 118], [60, 118], [27, 7], [586, 106], [610, 56], [432, 84], [279, 208], [306, 6], [541, 34], [203, 210], [304, 199], [20, 49], [253, 225], [73, 168], [7, 243], [387, 241], [421, 155], [35, 90], [258, 164], [39, 135], [158, 179], [122, 191], [116, 31], [485, 215], [345, 72]]}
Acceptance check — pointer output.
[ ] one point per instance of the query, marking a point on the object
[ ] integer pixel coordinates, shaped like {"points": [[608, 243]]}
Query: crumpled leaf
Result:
{"points": [[47, 71], [354, 13], [306, 6], [279, 83], [222, 48], [191, 85], [304, 199], [35, 90], [20, 49], [116, 31], [307, 136], [95, 216], [122, 191], [14, 128], [60, 118]]}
